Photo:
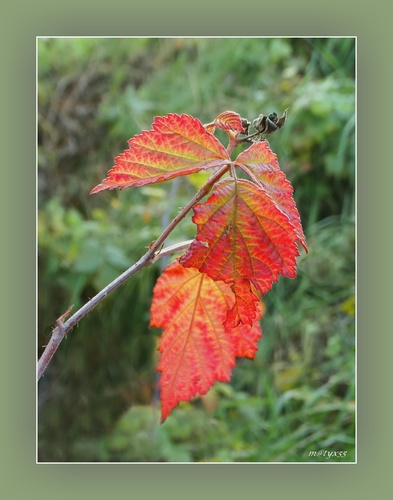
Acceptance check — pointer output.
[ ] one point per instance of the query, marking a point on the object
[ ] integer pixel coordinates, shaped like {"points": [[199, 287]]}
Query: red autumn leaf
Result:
{"points": [[228, 120], [262, 163], [196, 349], [242, 235], [177, 145]]}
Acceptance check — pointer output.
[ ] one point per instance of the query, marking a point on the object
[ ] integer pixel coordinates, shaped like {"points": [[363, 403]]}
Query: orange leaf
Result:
{"points": [[177, 145], [262, 163], [196, 349], [242, 234]]}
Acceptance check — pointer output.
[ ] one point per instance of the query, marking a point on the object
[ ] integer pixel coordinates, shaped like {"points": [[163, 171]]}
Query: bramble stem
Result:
{"points": [[154, 252]]}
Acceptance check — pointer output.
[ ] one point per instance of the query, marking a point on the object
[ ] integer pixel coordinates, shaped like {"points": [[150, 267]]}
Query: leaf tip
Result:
{"points": [[97, 189]]}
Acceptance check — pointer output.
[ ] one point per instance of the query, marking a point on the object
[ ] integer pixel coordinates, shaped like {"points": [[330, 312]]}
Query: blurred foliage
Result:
{"points": [[98, 398]]}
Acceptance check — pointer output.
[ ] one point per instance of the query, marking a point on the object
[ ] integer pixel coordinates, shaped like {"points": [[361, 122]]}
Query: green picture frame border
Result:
{"points": [[22, 24]]}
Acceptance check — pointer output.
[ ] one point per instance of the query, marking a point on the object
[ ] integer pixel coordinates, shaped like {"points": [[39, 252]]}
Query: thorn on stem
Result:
{"points": [[64, 315], [61, 328]]}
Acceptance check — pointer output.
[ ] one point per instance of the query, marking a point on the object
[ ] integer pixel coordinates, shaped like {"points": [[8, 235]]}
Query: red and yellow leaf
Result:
{"points": [[177, 145], [228, 120], [262, 163], [242, 235], [196, 349]]}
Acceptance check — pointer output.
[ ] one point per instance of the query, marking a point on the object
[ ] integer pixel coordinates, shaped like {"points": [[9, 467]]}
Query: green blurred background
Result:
{"points": [[98, 399]]}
